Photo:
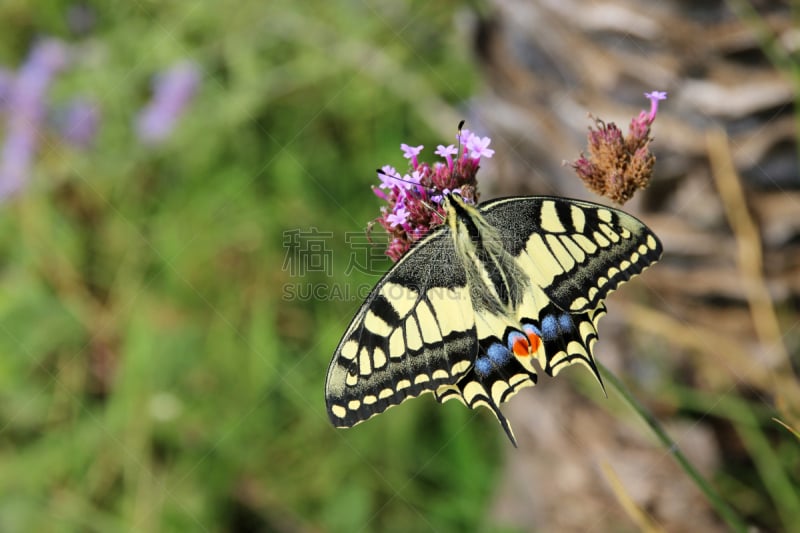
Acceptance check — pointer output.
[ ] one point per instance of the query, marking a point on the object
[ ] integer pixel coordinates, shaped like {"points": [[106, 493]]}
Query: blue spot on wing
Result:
{"points": [[483, 366], [530, 328], [498, 354], [549, 327], [513, 337], [565, 322]]}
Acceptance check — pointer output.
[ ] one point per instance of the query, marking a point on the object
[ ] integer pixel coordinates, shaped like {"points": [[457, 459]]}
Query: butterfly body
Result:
{"points": [[465, 311]]}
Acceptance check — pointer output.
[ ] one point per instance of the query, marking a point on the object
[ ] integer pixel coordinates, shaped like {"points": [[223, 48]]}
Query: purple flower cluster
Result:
{"points": [[25, 107], [172, 92], [618, 166], [414, 199]]}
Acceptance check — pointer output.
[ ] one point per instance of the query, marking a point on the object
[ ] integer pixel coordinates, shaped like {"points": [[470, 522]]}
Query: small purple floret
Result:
{"points": [[411, 152], [398, 217], [173, 90], [80, 122], [654, 97], [26, 112], [447, 152], [479, 147]]}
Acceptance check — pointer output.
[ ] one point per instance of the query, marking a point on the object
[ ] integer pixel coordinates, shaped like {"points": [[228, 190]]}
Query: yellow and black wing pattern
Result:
{"points": [[467, 310]]}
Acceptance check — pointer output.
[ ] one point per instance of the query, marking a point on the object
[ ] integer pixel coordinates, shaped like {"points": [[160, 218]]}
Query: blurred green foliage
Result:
{"points": [[152, 375]]}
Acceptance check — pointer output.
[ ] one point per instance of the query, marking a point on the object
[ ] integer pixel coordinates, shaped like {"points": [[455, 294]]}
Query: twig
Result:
{"points": [[788, 427], [636, 514], [750, 257]]}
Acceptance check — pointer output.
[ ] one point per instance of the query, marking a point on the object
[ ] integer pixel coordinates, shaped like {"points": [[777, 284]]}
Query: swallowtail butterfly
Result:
{"points": [[465, 311]]}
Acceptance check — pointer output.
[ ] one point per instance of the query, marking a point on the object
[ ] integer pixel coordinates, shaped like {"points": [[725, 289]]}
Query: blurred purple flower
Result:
{"points": [[172, 92], [79, 122], [6, 88], [26, 108]]}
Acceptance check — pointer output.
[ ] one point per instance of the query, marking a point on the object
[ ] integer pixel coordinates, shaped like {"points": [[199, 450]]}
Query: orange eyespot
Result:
{"points": [[521, 347], [535, 341]]}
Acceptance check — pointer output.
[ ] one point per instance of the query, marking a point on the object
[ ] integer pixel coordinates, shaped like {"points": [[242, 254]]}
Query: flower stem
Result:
{"points": [[722, 508]]}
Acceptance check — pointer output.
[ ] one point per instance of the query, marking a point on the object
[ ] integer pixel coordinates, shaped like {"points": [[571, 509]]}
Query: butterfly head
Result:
{"points": [[464, 219], [453, 200]]}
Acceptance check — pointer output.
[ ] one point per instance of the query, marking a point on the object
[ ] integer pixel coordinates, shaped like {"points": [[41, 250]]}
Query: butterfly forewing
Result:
{"points": [[577, 252], [414, 333]]}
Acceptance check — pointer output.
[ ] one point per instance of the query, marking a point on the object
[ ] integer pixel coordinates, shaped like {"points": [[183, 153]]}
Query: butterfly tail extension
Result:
{"points": [[473, 396], [495, 377], [503, 421], [595, 317]]}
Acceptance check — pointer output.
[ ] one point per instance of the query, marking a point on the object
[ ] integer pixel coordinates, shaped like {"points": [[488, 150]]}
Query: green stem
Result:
{"points": [[722, 508], [747, 423]]}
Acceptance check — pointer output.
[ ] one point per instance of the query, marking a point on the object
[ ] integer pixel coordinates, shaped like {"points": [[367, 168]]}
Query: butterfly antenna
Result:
{"points": [[398, 178], [382, 173], [429, 189], [460, 126], [434, 211]]}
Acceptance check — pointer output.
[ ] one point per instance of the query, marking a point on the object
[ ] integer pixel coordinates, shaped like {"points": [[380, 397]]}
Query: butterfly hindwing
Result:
{"points": [[495, 377], [567, 338], [414, 333]]}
